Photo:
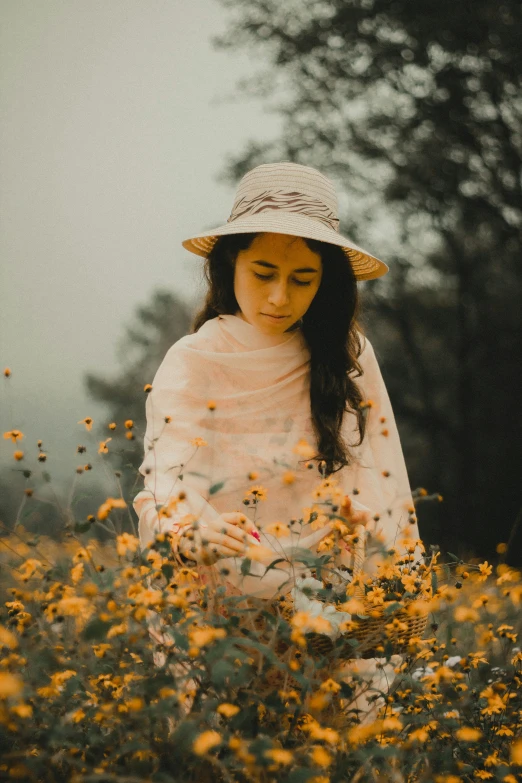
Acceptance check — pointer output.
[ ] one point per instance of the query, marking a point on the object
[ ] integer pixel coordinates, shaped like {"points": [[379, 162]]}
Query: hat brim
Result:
{"points": [[364, 265]]}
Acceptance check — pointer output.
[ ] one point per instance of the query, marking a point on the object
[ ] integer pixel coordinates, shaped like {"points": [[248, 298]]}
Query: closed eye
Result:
{"points": [[269, 277]]}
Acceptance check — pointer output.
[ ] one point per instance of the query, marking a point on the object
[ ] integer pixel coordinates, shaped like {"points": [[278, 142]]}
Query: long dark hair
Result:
{"points": [[330, 329]]}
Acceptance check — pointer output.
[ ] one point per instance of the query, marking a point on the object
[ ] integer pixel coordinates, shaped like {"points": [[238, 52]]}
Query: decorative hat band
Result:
{"points": [[288, 198], [287, 201]]}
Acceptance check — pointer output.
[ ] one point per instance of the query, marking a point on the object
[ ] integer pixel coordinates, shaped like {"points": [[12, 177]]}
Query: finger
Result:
{"points": [[217, 551], [239, 521], [241, 532], [347, 503], [220, 538]]}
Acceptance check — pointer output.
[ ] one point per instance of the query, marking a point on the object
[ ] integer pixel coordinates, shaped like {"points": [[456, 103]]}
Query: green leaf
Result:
{"points": [[167, 570], [302, 775], [245, 566], [274, 563], [454, 557], [216, 487], [220, 671], [96, 629], [82, 527], [434, 582]]}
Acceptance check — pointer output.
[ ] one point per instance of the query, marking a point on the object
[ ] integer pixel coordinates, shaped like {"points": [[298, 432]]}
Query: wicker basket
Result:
{"points": [[370, 633]]}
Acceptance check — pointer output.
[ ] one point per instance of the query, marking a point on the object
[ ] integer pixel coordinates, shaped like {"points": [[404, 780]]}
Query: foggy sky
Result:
{"points": [[114, 122]]}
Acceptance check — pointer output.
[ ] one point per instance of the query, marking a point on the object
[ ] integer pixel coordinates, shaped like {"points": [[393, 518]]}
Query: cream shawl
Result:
{"points": [[259, 385]]}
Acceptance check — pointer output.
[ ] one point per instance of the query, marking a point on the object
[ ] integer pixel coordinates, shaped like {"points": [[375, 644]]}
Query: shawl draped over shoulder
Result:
{"points": [[259, 384]]}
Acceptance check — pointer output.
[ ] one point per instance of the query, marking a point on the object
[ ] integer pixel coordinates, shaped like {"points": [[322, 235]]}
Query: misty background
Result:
{"points": [[115, 120], [124, 128]]}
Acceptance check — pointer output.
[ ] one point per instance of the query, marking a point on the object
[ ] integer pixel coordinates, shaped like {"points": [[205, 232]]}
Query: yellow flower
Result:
{"points": [[103, 446], [318, 701], [303, 621], [327, 543], [468, 734], [320, 520], [105, 509], [320, 756], [30, 568], [376, 596], [228, 710], [199, 442], [353, 606], [77, 716], [280, 756], [330, 686], [117, 630], [205, 741], [7, 639], [82, 553], [10, 685], [149, 597], [75, 606], [476, 658], [319, 733], [503, 731], [165, 693], [126, 543], [87, 421], [278, 530], [303, 449], [463, 614], [14, 435], [22, 710], [448, 779], [516, 753], [485, 570], [408, 580], [135, 705], [258, 492], [203, 636], [77, 573], [288, 477], [386, 570], [100, 649], [18, 455]]}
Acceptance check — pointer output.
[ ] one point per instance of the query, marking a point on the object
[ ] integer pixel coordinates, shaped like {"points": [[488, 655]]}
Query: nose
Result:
{"points": [[278, 294]]}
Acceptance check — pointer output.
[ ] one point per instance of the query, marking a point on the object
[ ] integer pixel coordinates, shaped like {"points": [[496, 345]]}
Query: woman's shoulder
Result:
{"points": [[202, 340], [367, 352]]}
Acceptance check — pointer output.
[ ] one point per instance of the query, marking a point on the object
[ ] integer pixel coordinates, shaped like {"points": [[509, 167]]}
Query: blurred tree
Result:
{"points": [[416, 111], [158, 325]]}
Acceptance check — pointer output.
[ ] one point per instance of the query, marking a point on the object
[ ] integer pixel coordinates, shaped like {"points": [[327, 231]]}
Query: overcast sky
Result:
{"points": [[114, 122]]}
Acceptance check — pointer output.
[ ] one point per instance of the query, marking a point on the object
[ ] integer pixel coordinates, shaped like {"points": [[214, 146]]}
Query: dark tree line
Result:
{"points": [[419, 106]]}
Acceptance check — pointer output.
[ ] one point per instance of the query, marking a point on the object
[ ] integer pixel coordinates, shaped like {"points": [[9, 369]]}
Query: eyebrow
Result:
{"points": [[274, 266]]}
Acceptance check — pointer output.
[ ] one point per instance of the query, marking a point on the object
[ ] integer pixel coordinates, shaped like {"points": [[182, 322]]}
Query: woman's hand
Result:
{"points": [[228, 535], [353, 517]]}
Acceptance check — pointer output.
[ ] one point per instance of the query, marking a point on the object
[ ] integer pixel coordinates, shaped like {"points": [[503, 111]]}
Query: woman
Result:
{"points": [[260, 402]]}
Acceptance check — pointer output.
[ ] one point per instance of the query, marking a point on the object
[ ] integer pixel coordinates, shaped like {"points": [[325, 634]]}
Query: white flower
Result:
{"points": [[453, 660], [422, 672], [316, 608]]}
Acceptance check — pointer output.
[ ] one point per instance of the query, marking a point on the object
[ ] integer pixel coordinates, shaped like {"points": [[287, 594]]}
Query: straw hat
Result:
{"points": [[288, 198]]}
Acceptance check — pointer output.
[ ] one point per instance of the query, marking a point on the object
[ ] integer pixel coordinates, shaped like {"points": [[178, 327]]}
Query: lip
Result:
{"points": [[276, 317]]}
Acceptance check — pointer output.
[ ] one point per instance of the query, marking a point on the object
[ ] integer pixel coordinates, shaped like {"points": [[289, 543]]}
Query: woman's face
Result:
{"points": [[277, 275]]}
